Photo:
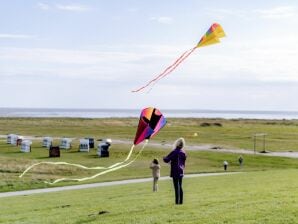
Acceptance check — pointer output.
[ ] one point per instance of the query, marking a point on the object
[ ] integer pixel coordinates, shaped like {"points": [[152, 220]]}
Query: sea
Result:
{"points": [[123, 113]]}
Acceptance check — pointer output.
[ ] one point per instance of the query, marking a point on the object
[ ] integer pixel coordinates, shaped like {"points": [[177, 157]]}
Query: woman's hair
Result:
{"points": [[155, 161], [179, 143]]}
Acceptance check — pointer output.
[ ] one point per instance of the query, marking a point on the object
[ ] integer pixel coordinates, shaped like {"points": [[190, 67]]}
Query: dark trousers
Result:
{"points": [[177, 181]]}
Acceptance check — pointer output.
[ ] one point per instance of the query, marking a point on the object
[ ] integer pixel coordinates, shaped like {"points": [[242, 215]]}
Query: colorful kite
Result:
{"points": [[212, 36], [151, 121]]}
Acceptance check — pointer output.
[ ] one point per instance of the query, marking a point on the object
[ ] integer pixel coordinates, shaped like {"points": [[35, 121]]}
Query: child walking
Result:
{"points": [[155, 173]]}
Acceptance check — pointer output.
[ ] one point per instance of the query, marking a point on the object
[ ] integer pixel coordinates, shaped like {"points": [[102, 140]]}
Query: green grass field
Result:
{"points": [[264, 192], [281, 134], [267, 197], [13, 162]]}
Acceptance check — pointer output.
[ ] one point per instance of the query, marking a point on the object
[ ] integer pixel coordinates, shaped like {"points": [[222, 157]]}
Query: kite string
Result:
{"points": [[78, 165], [103, 172], [165, 71]]}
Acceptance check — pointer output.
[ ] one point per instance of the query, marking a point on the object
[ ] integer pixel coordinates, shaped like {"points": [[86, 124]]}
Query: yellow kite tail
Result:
{"points": [[78, 165], [103, 172]]}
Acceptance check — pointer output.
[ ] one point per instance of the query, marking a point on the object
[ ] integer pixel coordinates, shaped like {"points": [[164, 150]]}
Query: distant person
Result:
{"points": [[155, 173], [240, 160], [225, 163], [177, 159]]}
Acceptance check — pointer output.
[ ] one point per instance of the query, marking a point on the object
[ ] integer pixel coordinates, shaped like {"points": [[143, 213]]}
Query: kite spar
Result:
{"points": [[212, 36]]}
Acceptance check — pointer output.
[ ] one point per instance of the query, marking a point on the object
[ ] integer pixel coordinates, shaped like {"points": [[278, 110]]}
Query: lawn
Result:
{"points": [[267, 197], [281, 135], [13, 162], [265, 190]]}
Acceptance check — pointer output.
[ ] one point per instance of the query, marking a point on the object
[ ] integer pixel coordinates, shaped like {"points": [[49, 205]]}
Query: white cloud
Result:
{"points": [[222, 13], [132, 10], [269, 13], [63, 56], [15, 36], [85, 64], [64, 7], [230, 63], [277, 12], [73, 7], [43, 6], [255, 61], [162, 20]]}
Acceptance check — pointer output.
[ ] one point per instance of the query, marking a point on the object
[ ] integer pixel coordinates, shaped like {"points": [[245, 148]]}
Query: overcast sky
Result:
{"points": [[92, 53]]}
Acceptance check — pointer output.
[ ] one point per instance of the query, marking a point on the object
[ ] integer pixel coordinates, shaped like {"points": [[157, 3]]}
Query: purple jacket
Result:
{"points": [[177, 158]]}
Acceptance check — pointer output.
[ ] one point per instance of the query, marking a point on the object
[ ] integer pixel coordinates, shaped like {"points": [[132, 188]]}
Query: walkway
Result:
{"points": [[103, 184]]}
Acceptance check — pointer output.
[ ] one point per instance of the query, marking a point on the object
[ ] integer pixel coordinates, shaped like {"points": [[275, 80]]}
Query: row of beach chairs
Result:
{"points": [[65, 143]]}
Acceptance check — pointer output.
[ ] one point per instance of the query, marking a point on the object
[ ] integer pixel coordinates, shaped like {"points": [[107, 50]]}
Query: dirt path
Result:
{"points": [[103, 184], [213, 148], [202, 147]]}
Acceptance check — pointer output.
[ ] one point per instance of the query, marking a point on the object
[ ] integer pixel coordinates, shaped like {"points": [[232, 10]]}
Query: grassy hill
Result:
{"points": [[267, 197], [264, 192]]}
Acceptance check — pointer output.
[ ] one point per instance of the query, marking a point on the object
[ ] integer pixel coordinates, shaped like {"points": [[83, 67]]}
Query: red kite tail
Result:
{"points": [[168, 69], [175, 65]]}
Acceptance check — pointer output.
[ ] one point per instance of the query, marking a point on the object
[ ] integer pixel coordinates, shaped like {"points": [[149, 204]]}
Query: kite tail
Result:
{"points": [[178, 63], [63, 163], [127, 158], [166, 70], [29, 168], [78, 165], [103, 172], [173, 67]]}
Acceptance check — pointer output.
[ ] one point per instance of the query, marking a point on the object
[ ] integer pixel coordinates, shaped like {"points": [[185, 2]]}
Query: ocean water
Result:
{"points": [[113, 113]]}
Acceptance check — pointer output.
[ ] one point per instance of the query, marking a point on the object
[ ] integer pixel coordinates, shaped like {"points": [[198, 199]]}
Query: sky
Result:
{"points": [[93, 53]]}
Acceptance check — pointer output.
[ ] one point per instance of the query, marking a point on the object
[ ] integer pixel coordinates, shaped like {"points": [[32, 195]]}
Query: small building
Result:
{"points": [[91, 143], [19, 140], [12, 139], [84, 145], [103, 148], [54, 151], [47, 142], [65, 143], [26, 146]]}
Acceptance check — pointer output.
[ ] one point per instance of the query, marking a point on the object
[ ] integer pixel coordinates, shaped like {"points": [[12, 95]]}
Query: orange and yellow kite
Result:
{"points": [[212, 36]]}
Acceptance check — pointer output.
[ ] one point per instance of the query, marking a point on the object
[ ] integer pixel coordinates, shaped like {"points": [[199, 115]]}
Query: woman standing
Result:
{"points": [[177, 159]]}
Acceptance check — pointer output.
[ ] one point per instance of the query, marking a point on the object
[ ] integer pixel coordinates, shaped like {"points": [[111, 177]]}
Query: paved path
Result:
{"points": [[103, 184]]}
